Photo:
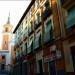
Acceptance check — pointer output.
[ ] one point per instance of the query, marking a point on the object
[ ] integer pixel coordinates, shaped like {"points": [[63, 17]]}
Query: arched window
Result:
{"points": [[6, 29]]}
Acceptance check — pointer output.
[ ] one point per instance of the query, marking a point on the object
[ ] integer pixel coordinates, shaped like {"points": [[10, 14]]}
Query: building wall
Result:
{"points": [[55, 51]]}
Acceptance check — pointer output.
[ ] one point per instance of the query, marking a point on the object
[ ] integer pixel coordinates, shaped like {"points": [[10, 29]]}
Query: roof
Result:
{"points": [[28, 8]]}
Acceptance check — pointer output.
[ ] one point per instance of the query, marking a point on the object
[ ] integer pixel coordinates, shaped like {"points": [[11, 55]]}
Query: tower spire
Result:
{"points": [[8, 21]]}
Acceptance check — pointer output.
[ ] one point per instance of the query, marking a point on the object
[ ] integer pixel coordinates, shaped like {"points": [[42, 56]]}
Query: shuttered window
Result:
{"points": [[71, 17]]}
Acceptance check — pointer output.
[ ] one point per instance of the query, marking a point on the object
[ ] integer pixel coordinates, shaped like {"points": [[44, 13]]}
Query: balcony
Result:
{"points": [[37, 42]]}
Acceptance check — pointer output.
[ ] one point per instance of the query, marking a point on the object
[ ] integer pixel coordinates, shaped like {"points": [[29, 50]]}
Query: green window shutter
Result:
{"points": [[48, 25], [48, 32], [38, 40], [29, 47], [71, 18]]}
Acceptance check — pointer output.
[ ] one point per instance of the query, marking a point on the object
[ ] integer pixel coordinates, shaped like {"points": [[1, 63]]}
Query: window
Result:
{"points": [[49, 28], [6, 29], [48, 25], [48, 31], [5, 42], [46, 67], [25, 28], [71, 17], [29, 28], [30, 46], [39, 34], [3, 57], [32, 25], [39, 17], [38, 39], [38, 4], [51, 33], [25, 49]]}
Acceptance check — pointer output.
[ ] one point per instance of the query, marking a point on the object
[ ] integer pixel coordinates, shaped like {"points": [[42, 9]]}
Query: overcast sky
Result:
{"points": [[16, 9]]}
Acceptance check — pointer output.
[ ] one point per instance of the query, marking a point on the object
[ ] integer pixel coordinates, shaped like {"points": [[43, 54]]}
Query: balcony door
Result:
{"points": [[40, 67], [52, 68], [73, 56]]}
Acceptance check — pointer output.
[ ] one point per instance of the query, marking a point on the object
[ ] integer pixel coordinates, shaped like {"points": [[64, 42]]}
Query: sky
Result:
{"points": [[16, 9]]}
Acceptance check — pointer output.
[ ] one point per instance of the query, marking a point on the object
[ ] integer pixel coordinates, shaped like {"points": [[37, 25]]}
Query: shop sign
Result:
{"points": [[49, 58]]}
